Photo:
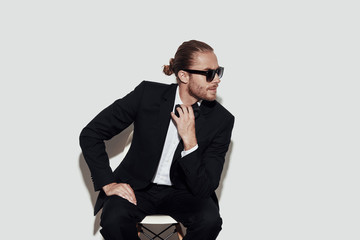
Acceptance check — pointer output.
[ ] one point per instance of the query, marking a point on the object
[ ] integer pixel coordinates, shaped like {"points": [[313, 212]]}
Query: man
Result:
{"points": [[175, 160]]}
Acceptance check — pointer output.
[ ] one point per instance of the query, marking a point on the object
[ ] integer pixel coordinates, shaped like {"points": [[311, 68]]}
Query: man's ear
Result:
{"points": [[183, 76]]}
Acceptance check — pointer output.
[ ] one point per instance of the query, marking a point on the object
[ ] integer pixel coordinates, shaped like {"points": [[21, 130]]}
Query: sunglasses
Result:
{"points": [[210, 74]]}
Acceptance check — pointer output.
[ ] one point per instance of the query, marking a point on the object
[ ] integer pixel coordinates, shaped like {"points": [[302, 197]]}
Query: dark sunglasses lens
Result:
{"points": [[220, 71], [210, 75]]}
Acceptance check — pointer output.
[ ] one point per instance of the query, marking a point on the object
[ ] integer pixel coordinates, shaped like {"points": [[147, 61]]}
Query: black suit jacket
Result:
{"points": [[148, 107]]}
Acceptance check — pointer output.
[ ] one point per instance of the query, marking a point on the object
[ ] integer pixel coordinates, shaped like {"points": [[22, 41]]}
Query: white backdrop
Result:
{"points": [[291, 79]]}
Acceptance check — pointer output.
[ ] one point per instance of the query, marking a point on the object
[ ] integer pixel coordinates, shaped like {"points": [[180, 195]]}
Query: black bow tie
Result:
{"points": [[196, 110], [195, 107]]}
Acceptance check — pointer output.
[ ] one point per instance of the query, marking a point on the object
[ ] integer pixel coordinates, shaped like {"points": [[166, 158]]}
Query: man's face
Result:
{"points": [[198, 87]]}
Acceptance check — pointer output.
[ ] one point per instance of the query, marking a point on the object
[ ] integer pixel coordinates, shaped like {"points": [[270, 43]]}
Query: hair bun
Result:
{"points": [[169, 69]]}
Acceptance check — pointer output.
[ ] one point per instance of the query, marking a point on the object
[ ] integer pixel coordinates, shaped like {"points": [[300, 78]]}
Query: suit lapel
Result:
{"points": [[205, 108], [179, 149], [166, 106]]}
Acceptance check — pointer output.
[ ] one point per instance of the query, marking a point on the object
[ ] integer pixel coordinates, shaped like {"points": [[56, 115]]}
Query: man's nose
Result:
{"points": [[216, 78]]}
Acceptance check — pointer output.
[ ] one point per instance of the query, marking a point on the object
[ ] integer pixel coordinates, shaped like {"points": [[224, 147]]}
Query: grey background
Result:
{"points": [[291, 79]]}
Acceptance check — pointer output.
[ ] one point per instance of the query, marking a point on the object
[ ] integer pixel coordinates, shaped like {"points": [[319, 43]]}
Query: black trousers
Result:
{"points": [[200, 216]]}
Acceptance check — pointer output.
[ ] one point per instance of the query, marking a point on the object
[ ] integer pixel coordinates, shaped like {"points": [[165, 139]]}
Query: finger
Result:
{"points": [[130, 199], [127, 196], [130, 193], [191, 111], [188, 113], [174, 117], [180, 110], [125, 191]]}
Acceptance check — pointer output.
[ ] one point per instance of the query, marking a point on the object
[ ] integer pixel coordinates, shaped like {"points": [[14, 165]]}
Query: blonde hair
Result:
{"points": [[184, 56]]}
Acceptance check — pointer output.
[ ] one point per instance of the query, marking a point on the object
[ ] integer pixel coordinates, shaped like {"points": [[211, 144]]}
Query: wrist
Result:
{"points": [[107, 187], [189, 144]]}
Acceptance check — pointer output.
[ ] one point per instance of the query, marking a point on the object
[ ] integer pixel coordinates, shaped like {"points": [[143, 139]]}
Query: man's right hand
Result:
{"points": [[122, 190]]}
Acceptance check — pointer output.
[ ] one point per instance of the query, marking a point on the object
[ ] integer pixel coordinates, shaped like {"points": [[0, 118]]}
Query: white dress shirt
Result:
{"points": [[172, 140]]}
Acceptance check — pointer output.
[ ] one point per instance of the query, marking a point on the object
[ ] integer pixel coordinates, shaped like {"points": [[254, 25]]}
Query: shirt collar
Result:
{"points": [[178, 99]]}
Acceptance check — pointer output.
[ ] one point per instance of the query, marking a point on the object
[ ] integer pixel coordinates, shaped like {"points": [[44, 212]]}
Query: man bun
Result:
{"points": [[169, 69]]}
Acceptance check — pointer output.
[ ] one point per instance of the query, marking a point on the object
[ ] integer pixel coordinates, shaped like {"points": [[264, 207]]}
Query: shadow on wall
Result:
{"points": [[225, 169], [116, 146], [226, 164]]}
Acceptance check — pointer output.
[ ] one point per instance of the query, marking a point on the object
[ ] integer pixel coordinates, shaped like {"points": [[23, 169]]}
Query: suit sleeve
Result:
{"points": [[202, 171], [108, 123]]}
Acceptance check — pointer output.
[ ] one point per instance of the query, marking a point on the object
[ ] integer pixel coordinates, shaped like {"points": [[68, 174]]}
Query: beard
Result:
{"points": [[200, 92]]}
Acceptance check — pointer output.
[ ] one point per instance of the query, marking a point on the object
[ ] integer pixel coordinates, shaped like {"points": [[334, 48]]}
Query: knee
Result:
{"points": [[211, 222], [206, 221], [116, 212], [206, 227]]}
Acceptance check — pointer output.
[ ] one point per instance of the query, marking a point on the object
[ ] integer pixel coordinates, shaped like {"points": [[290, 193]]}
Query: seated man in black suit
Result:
{"points": [[180, 139]]}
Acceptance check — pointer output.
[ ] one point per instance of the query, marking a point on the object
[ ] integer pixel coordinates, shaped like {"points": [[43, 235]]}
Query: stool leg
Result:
{"points": [[179, 231], [139, 229]]}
